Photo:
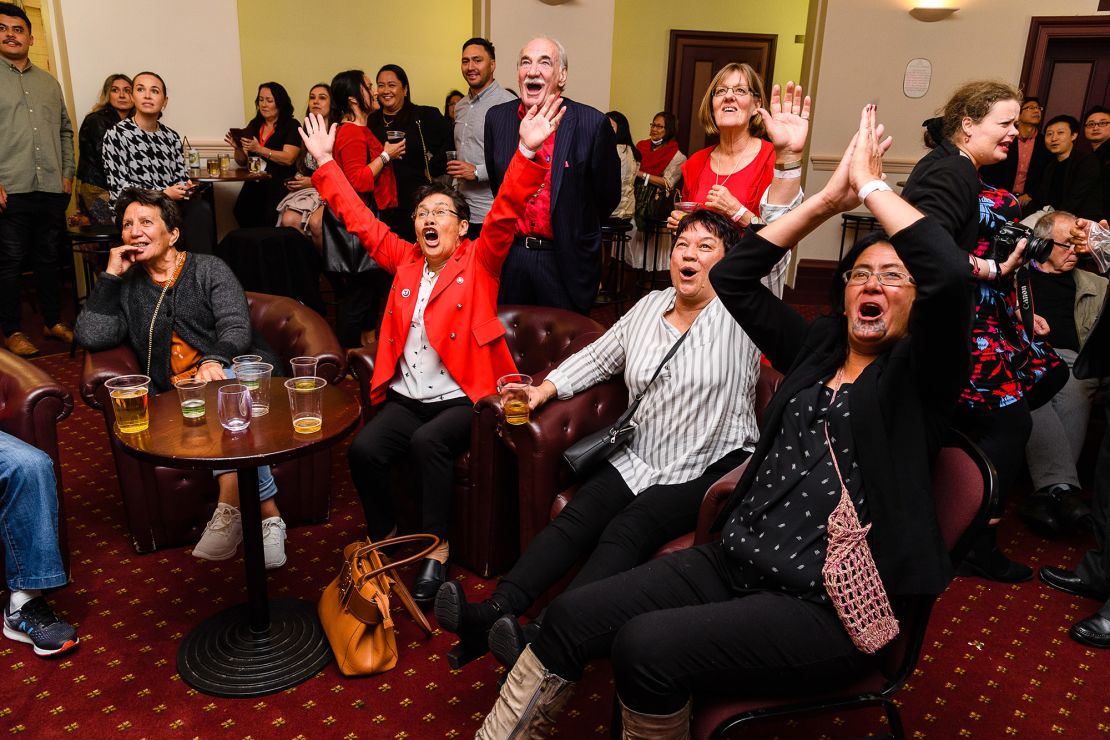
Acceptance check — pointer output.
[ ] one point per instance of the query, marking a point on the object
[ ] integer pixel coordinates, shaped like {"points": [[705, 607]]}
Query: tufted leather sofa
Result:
{"points": [[31, 405], [168, 507], [485, 518]]}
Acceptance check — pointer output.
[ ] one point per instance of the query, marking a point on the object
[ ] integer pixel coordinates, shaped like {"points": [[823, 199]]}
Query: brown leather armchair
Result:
{"points": [[168, 507], [31, 405], [485, 519]]}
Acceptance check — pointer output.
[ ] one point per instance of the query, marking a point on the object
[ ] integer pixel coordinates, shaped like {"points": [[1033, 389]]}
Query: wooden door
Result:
{"points": [[696, 56]]}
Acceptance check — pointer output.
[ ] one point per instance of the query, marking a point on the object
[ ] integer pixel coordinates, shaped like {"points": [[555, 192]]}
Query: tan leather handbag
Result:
{"points": [[354, 608]]}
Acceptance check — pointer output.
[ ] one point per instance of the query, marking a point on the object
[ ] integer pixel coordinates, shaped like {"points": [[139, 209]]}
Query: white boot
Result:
{"points": [[636, 726], [530, 698]]}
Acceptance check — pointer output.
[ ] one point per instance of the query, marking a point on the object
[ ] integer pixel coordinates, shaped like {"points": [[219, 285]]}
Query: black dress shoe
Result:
{"points": [[994, 566], [1041, 513], [1074, 511], [1094, 630], [429, 577], [1067, 581]]}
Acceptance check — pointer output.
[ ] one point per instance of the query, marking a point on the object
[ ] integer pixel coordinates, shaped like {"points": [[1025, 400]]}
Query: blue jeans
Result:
{"points": [[267, 488], [29, 517]]}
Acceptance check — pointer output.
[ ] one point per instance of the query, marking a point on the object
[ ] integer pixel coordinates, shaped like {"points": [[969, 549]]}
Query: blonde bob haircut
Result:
{"points": [[753, 82]]}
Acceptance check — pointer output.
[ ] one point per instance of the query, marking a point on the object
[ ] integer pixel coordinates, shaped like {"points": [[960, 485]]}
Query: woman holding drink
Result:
{"points": [[441, 346], [185, 316], [695, 422]]}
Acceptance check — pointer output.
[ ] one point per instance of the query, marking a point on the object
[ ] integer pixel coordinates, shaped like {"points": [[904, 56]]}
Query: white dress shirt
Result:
{"points": [[421, 374]]}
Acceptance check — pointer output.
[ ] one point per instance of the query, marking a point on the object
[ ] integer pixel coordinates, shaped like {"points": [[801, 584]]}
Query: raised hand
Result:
{"points": [[787, 121], [867, 159], [318, 137], [541, 121]]}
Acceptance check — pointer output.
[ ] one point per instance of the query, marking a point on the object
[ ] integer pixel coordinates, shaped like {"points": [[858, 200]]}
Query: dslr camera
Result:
{"points": [[1006, 239]]}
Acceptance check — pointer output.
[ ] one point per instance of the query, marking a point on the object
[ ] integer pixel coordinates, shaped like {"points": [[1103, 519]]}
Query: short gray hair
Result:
{"points": [[1046, 223], [558, 45]]}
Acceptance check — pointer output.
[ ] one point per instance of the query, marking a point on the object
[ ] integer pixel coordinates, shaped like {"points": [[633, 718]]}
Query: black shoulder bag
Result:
{"points": [[590, 451]]}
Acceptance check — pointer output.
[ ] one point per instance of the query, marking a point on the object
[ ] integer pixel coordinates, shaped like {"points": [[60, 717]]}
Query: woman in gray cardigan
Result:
{"points": [[184, 315]]}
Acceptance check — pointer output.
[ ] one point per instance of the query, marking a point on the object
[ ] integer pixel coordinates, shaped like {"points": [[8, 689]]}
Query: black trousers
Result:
{"points": [[1094, 569], [531, 277], [33, 225], [675, 626], [1001, 434], [433, 434], [618, 530]]}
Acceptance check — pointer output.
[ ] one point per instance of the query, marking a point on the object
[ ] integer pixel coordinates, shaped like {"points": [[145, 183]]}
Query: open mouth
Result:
{"points": [[870, 311], [431, 236], [729, 109], [687, 272], [533, 87]]}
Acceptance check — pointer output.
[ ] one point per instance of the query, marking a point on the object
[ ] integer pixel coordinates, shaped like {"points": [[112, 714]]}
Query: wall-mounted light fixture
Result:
{"points": [[931, 13]]}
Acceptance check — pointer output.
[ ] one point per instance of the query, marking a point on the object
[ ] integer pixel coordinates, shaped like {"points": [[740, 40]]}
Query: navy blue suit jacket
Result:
{"points": [[585, 186]]}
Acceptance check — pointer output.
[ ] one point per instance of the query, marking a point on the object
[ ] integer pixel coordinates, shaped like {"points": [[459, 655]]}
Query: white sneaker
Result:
{"points": [[222, 535], [273, 542]]}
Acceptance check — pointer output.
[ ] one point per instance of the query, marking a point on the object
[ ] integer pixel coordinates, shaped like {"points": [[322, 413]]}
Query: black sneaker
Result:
{"points": [[37, 625]]}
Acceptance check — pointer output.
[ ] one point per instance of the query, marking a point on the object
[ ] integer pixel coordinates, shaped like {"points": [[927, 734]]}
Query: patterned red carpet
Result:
{"points": [[997, 662]]}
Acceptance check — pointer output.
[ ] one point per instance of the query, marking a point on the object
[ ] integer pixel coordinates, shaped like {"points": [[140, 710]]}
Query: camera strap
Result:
{"points": [[1025, 301]]}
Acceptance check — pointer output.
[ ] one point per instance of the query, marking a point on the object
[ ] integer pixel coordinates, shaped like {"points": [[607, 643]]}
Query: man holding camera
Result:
{"points": [[1069, 301]]}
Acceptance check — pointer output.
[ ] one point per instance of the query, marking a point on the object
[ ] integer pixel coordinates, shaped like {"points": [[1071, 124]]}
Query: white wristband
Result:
{"points": [[526, 151], [647, 177], [794, 174], [740, 213], [871, 187], [385, 157]]}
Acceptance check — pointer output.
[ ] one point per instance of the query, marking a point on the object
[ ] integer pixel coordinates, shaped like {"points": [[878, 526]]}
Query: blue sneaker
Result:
{"points": [[37, 625]]}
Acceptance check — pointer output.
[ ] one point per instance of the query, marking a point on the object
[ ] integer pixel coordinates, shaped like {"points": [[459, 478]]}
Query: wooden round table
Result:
{"points": [[262, 646]]}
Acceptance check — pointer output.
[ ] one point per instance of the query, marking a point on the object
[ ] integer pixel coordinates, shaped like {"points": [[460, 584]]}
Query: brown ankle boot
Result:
{"points": [[530, 699], [636, 726]]}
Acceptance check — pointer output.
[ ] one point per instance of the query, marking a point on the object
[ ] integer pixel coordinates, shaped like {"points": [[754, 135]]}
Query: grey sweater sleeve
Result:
{"points": [[101, 324], [229, 305]]}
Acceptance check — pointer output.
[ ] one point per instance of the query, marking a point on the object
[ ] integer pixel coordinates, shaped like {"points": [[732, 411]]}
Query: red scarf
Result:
{"points": [[655, 161]]}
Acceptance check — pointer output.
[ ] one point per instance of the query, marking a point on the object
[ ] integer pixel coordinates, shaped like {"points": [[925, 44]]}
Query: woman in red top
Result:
{"points": [[732, 176], [441, 346], [365, 162]]}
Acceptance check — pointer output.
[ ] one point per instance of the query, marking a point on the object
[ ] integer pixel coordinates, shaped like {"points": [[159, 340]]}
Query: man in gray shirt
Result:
{"points": [[479, 61], [36, 178]]}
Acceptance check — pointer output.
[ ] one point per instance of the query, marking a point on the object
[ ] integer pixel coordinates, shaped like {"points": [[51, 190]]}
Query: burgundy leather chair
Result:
{"points": [[963, 484], [484, 517], [31, 405], [168, 507]]}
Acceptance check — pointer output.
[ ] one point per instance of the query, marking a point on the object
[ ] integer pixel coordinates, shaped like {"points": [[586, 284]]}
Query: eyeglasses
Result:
{"points": [[738, 90], [890, 278], [1096, 124], [438, 213], [1063, 245], [657, 125]]}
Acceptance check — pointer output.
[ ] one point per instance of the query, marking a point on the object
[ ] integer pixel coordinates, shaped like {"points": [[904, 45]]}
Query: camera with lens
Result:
{"points": [[1006, 239]]}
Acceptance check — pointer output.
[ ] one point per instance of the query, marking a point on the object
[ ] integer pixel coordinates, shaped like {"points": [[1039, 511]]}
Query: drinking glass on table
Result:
{"points": [[130, 398], [191, 394], [233, 404], [304, 367], [306, 403], [514, 397], [225, 162], [254, 164], [256, 377], [214, 167], [243, 359]]}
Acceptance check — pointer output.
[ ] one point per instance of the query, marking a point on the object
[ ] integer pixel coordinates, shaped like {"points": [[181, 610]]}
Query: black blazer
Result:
{"points": [[944, 184], [1002, 175], [901, 403], [1074, 185], [585, 186]]}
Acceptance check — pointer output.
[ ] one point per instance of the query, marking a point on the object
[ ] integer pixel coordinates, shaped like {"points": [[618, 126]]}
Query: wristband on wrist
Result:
{"points": [[870, 187], [794, 174], [739, 214], [526, 151], [384, 157], [996, 271], [794, 164], [646, 178]]}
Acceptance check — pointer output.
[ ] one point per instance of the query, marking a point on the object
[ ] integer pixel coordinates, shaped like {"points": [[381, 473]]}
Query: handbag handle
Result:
{"points": [[373, 546]]}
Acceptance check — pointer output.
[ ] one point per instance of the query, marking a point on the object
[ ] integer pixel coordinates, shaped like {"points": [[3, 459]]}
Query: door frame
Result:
{"points": [[1046, 28]]}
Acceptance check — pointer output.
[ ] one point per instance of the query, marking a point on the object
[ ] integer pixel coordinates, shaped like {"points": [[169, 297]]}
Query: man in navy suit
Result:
{"points": [[555, 259]]}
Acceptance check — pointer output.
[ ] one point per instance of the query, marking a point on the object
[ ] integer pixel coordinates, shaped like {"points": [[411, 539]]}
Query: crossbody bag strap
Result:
{"points": [[627, 415]]}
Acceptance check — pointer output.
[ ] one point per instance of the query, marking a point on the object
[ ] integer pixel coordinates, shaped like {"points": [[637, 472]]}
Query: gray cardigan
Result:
{"points": [[206, 307]]}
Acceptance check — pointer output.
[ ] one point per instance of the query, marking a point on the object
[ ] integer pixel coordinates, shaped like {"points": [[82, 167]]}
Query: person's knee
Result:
{"points": [[428, 441], [291, 218], [30, 461], [367, 451], [641, 650]]}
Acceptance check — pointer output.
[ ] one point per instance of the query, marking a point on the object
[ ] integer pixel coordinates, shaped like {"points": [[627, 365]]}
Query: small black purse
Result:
{"points": [[593, 449], [343, 252]]}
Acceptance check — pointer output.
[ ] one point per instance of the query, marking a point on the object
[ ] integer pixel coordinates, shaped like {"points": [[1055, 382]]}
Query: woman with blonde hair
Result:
{"points": [[112, 106]]}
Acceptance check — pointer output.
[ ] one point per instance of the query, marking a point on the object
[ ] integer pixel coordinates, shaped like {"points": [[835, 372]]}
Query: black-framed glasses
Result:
{"points": [[656, 125], [439, 213], [1063, 245], [1096, 124], [890, 278], [739, 90]]}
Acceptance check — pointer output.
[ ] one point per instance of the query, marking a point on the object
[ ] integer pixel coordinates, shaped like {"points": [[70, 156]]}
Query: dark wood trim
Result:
{"points": [[1104, 4], [811, 283], [1043, 29], [681, 37]]}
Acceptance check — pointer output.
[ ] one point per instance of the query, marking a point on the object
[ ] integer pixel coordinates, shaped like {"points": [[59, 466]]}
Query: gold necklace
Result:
{"points": [[735, 169], [157, 306]]}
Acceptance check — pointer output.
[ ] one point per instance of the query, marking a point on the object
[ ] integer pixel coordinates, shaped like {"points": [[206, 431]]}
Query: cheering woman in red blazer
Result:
{"points": [[441, 346]]}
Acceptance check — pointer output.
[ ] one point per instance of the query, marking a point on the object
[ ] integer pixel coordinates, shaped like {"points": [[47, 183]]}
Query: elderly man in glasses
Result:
{"points": [[1069, 301]]}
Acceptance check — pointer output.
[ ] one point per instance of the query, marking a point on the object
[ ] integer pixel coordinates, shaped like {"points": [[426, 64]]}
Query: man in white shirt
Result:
{"points": [[479, 62]]}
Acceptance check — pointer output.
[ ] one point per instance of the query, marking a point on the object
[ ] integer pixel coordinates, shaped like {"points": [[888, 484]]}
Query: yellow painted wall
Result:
{"points": [[299, 44], [641, 44]]}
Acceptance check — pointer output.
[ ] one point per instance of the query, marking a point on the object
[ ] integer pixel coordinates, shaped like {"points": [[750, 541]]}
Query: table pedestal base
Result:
{"points": [[222, 656]]}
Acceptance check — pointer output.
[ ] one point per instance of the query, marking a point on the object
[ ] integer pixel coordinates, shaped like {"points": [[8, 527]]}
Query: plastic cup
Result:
{"points": [[1098, 245], [452, 154], [225, 162], [394, 136], [514, 397], [304, 367], [306, 403], [233, 404], [191, 394], [256, 377], [242, 359], [214, 167], [130, 400], [687, 206]]}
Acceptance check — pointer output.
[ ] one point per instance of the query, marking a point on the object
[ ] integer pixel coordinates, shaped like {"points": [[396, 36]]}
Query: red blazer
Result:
{"points": [[461, 315]]}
